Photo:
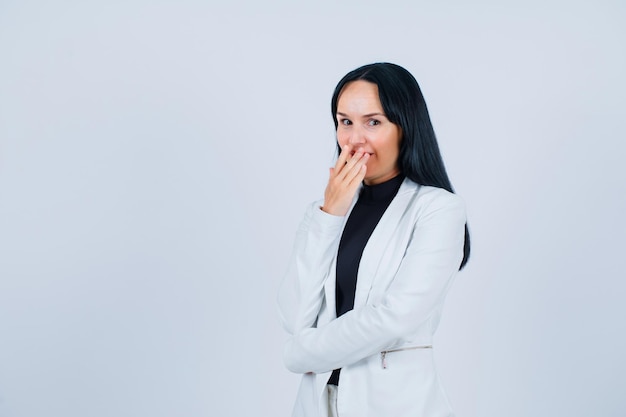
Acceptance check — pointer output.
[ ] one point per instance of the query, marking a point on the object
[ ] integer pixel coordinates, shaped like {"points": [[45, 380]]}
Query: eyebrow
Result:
{"points": [[365, 115]]}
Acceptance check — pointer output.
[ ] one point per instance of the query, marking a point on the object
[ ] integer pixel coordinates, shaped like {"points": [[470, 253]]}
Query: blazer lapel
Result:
{"points": [[381, 241]]}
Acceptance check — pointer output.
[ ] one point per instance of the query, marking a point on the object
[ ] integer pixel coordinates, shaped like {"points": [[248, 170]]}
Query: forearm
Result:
{"points": [[300, 294], [361, 332]]}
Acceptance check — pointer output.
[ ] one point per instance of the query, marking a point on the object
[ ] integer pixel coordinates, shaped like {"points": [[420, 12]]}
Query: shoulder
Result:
{"points": [[426, 199]]}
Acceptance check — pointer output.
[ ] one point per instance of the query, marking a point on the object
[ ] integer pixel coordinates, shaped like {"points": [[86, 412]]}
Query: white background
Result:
{"points": [[156, 158]]}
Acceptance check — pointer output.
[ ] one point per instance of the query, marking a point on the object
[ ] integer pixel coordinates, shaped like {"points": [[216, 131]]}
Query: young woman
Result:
{"points": [[374, 259]]}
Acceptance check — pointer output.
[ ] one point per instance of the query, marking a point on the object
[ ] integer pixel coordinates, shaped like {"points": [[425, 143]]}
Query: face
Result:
{"points": [[362, 124]]}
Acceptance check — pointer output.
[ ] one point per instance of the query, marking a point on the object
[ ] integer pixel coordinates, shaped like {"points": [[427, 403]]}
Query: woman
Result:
{"points": [[373, 261]]}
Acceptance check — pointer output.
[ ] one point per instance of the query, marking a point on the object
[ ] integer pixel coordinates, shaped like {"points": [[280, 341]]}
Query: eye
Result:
{"points": [[373, 122], [345, 122]]}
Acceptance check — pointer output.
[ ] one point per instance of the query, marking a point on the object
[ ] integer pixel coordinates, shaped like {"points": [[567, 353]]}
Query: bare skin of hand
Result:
{"points": [[344, 180]]}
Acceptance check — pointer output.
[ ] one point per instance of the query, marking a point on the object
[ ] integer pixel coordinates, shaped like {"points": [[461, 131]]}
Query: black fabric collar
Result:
{"points": [[384, 191]]}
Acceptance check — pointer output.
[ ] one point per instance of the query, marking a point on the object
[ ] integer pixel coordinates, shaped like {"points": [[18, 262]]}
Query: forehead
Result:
{"points": [[359, 96]]}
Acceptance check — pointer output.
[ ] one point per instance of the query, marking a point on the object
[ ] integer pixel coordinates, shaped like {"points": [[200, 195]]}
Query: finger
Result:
{"points": [[343, 158], [358, 179], [357, 172], [351, 164], [355, 181], [352, 168]]}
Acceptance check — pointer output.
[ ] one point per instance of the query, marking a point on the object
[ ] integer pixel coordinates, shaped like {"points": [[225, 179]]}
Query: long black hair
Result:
{"points": [[404, 105]]}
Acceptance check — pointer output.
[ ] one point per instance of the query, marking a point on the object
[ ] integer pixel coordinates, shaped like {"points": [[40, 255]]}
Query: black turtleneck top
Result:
{"points": [[369, 208]]}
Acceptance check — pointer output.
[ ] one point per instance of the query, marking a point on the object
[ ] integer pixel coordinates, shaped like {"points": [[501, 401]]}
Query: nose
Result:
{"points": [[357, 136]]}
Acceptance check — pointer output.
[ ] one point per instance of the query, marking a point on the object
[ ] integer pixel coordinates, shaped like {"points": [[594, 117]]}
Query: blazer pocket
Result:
{"points": [[408, 385]]}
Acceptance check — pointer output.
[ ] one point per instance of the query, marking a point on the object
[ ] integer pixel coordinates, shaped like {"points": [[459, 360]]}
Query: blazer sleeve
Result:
{"points": [[301, 293], [432, 258]]}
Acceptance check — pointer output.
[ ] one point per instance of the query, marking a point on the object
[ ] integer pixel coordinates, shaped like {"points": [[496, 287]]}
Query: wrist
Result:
{"points": [[334, 211]]}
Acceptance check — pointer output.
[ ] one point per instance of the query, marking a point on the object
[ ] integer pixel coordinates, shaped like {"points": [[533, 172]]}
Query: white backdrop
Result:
{"points": [[156, 158]]}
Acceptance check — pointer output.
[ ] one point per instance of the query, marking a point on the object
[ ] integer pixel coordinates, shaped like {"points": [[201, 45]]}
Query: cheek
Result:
{"points": [[342, 138], [391, 148]]}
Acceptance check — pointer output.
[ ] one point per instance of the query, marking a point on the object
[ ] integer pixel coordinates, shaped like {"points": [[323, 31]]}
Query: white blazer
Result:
{"points": [[406, 269]]}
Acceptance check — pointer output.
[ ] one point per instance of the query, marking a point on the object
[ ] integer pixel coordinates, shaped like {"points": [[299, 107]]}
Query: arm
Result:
{"points": [[431, 260], [301, 292]]}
